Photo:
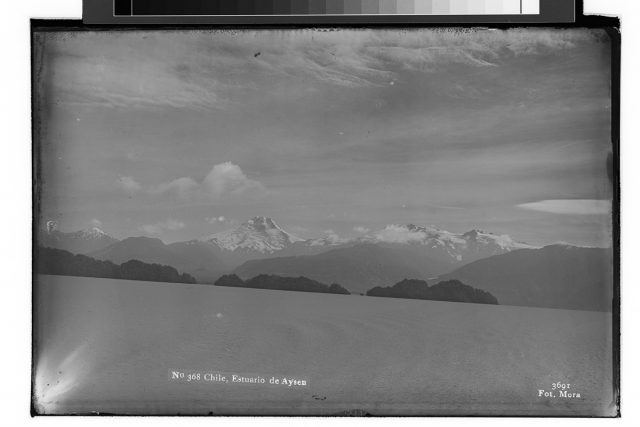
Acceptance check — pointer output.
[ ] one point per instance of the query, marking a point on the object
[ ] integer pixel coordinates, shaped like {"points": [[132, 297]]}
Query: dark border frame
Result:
{"points": [[610, 24]]}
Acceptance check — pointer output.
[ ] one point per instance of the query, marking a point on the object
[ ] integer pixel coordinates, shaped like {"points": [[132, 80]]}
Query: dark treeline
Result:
{"points": [[265, 281], [64, 263], [451, 290]]}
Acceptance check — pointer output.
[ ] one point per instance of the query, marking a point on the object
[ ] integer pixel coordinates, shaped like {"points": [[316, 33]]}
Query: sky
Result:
{"points": [[179, 135]]}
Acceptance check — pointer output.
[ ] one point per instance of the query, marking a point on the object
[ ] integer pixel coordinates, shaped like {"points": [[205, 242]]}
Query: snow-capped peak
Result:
{"points": [[260, 234], [264, 235], [473, 233], [78, 242], [485, 239], [460, 246], [262, 223], [92, 233]]}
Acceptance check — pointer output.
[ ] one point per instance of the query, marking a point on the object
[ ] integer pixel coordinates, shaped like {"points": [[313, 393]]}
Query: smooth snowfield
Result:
{"points": [[108, 346]]}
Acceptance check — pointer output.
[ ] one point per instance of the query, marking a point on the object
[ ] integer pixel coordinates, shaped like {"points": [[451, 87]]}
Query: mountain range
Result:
{"points": [[420, 251], [259, 234], [78, 242], [514, 272], [64, 263], [199, 259], [358, 267], [555, 276]]}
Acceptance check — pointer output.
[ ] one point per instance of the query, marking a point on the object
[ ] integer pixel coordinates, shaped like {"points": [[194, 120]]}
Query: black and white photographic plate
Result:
{"points": [[325, 221]]}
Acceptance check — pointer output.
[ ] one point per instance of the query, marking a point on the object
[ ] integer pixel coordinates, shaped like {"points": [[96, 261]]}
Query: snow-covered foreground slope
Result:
{"points": [[108, 346]]}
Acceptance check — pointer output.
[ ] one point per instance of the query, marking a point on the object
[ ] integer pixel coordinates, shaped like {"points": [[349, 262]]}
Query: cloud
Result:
{"points": [[216, 219], [570, 207], [431, 57], [204, 70], [333, 237], [160, 227], [96, 223], [183, 187], [399, 234], [137, 76], [221, 220], [228, 178], [129, 184], [224, 179], [360, 229]]}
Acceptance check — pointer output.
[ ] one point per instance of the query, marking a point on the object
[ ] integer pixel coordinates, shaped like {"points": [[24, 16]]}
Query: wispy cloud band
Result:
{"points": [[201, 70], [570, 206]]}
